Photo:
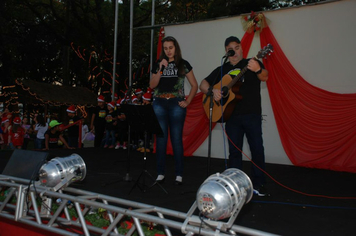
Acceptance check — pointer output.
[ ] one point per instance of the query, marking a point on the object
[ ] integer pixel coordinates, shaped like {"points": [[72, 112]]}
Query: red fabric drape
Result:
{"points": [[196, 127], [317, 128], [159, 45], [246, 42]]}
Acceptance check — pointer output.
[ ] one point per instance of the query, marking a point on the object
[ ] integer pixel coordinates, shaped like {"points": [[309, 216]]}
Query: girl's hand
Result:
{"points": [[183, 104]]}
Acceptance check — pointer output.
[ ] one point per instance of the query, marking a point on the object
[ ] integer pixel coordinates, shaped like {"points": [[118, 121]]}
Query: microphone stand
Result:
{"points": [[127, 177], [210, 95]]}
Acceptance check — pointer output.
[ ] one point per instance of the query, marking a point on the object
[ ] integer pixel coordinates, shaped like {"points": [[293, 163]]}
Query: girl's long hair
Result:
{"points": [[177, 57], [41, 120]]}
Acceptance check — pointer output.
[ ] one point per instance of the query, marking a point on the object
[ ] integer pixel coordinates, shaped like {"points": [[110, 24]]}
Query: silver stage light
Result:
{"points": [[62, 171], [221, 195]]}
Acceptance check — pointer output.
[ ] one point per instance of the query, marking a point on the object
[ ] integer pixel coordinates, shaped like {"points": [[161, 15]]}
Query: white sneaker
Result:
{"points": [[117, 146], [160, 178], [179, 180]]}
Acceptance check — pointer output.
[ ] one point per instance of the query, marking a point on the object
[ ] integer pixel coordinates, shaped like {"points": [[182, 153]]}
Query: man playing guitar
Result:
{"points": [[246, 111]]}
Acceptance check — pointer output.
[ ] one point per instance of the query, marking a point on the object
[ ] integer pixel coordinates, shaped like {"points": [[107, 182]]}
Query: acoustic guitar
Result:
{"points": [[230, 87]]}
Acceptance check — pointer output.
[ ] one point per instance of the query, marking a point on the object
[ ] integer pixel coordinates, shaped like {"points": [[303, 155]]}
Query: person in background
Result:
{"points": [[40, 129], [7, 114], [246, 118], [116, 97], [98, 122], [85, 129], [146, 144], [53, 135], [121, 127], [147, 97], [110, 127], [73, 131], [28, 131], [1, 137], [139, 93], [5, 131], [169, 103], [16, 134]]}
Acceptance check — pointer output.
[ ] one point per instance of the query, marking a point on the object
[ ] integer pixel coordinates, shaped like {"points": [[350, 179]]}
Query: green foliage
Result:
{"points": [[97, 218]]}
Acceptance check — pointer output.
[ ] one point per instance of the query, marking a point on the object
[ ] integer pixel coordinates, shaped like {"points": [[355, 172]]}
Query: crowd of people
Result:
{"points": [[108, 127], [17, 133]]}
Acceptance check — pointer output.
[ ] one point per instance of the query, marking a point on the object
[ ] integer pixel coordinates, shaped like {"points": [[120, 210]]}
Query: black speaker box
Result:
{"points": [[25, 164]]}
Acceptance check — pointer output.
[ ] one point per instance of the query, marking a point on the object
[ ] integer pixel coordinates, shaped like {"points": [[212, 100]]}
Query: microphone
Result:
{"points": [[229, 53], [163, 67]]}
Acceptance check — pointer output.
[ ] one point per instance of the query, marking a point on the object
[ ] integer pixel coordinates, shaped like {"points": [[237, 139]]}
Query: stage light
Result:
{"points": [[62, 171], [223, 195]]}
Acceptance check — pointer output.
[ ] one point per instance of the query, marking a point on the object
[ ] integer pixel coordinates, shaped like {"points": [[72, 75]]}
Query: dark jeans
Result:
{"points": [[251, 125], [73, 142], [25, 143], [39, 143], [122, 134], [110, 138], [99, 136], [170, 116]]}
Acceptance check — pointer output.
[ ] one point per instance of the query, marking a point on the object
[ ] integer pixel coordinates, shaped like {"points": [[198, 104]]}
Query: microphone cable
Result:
{"points": [[222, 112], [282, 185]]}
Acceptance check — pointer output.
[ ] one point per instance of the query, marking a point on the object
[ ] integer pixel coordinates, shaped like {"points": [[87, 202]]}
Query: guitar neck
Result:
{"points": [[236, 78]]}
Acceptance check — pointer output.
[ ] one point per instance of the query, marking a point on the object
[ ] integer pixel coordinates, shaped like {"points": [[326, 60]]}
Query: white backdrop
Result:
{"points": [[319, 40]]}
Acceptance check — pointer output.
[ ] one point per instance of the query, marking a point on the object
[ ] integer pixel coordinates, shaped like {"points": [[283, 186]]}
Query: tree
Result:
{"points": [[53, 41]]}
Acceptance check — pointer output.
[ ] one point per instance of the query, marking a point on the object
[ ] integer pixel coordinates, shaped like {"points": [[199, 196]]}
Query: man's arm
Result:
{"points": [[204, 87], [255, 66]]}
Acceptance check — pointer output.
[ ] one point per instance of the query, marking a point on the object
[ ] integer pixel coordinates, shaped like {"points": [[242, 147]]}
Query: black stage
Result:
{"points": [[285, 212]]}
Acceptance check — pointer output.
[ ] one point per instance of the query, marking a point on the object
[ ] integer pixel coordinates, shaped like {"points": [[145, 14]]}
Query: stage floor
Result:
{"points": [[285, 212]]}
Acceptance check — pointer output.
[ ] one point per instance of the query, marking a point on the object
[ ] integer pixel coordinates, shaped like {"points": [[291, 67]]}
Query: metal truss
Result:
{"points": [[31, 204]]}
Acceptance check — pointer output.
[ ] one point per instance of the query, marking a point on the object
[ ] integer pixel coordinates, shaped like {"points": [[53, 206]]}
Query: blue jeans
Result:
{"points": [[39, 143], [110, 139], [170, 116], [251, 125]]}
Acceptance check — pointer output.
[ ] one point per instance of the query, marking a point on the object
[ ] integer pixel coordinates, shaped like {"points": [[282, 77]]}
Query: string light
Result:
{"points": [[52, 103], [82, 111]]}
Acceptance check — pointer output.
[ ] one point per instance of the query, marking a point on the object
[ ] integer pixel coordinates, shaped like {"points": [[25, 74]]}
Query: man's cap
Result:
{"points": [[231, 39], [54, 123]]}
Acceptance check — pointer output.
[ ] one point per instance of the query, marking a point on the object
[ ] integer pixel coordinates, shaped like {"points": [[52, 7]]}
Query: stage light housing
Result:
{"points": [[221, 195], [62, 171]]}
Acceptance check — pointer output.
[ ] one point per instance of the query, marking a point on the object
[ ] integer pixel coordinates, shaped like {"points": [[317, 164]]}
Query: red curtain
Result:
{"points": [[196, 127], [317, 128], [159, 45]]}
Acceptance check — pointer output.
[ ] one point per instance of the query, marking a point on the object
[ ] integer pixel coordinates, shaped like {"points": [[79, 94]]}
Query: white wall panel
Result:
{"points": [[319, 40]]}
